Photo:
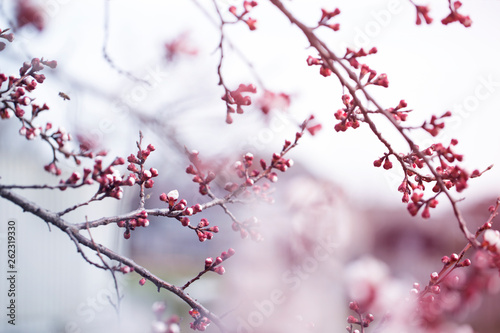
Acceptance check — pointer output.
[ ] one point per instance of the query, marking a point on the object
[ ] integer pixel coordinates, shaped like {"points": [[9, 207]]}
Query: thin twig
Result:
{"points": [[112, 271], [105, 49]]}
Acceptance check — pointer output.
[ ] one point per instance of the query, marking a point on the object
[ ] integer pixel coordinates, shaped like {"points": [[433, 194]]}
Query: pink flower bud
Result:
{"points": [[433, 203], [435, 289], [197, 208], [52, 63], [230, 186], [185, 221], [354, 306], [208, 262], [273, 177], [146, 174], [173, 195], [219, 270], [204, 223], [387, 164], [149, 183], [426, 213], [190, 170], [210, 177], [413, 208], [142, 281]]}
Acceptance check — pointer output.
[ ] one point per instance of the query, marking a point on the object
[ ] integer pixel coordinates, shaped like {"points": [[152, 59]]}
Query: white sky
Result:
{"points": [[434, 68]]}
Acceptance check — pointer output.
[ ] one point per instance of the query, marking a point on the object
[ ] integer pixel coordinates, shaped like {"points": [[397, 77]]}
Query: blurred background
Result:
{"points": [[336, 231]]}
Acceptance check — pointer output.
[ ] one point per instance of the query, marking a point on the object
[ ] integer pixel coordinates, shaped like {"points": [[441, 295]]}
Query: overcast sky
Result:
{"points": [[434, 68]]}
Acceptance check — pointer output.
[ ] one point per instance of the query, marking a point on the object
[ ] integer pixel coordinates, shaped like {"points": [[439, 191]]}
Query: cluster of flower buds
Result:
{"points": [[324, 70], [427, 295], [109, 179], [352, 57], [200, 322], [235, 97], [348, 116], [15, 99], [362, 320], [30, 12], [313, 126], [247, 7], [250, 176], [180, 46], [491, 242], [205, 232], [7, 36], [383, 161], [455, 16], [87, 146], [214, 265], [73, 179], [141, 220], [17, 88], [326, 16], [248, 227], [423, 12], [182, 211], [451, 175], [160, 325], [417, 202], [432, 126], [244, 169], [61, 137], [272, 100], [126, 269], [136, 166], [453, 259], [397, 113], [196, 169]]}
